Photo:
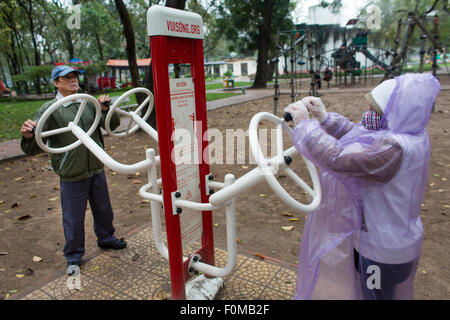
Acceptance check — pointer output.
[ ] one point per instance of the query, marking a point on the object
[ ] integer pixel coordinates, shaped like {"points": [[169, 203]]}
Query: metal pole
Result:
{"points": [[423, 37], [409, 32], [436, 46], [277, 74], [395, 54], [311, 63], [292, 68]]}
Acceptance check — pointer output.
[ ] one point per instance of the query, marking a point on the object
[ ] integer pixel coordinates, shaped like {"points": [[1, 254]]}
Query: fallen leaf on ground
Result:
{"points": [[289, 228], [294, 219], [37, 259], [18, 178], [135, 257], [2, 202], [286, 214], [161, 295], [262, 195], [136, 182], [20, 275], [53, 199], [259, 255], [15, 205], [25, 217], [3, 253]]}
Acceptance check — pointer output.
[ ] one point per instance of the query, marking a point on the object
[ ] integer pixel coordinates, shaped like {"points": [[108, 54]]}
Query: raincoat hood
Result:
{"points": [[409, 107]]}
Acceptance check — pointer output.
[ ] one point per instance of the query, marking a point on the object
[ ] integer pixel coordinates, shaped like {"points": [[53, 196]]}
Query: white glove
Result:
{"points": [[298, 111], [316, 107]]}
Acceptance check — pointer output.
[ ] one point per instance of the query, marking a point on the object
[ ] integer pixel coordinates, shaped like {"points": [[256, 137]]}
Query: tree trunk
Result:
{"points": [[148, 80], [131, 43], [176, 4], [263, 46], [99, 46], [37, 57]]}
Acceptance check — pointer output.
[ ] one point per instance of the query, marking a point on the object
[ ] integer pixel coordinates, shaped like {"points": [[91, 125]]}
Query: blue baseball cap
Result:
{"points": [[61, 71]]}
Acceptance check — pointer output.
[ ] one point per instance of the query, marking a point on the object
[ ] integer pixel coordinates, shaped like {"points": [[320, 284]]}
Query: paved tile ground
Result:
{"points": [[140, 273]]}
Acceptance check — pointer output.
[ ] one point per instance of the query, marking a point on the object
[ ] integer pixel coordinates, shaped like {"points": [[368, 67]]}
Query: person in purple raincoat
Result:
{"points": [[365, 239]]}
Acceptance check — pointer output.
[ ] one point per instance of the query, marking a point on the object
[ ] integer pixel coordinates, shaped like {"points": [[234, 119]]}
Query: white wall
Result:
{"points": [[237, 70]]}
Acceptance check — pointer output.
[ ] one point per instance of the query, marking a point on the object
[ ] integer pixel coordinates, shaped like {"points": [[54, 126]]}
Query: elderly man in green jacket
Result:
{"points": [[81, 174]]}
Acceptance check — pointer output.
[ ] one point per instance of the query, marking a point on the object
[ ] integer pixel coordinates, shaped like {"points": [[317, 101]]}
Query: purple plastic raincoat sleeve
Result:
{"points": [[337, 125], [374, 158]]}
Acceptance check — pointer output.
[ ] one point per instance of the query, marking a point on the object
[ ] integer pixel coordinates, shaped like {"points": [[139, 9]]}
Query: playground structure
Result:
{"points": [[306, 42], [188, 193], [344, 61]]}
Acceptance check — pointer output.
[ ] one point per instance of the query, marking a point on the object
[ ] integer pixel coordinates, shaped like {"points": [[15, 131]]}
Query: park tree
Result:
{"points": [[251, 26], [394, 10], [14, 37], [130, 49], [27, 7], [128, 32]]}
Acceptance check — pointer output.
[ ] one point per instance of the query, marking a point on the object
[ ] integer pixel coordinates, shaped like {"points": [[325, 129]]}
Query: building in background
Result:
{"points": [[239, 67]]}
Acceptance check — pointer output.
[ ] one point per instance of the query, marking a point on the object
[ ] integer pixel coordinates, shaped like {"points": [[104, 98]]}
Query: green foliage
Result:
{"points": [[92, 69], [393, 10], [240, 21], [228, 74], [34, 72], [335, 5], [13, 115]]}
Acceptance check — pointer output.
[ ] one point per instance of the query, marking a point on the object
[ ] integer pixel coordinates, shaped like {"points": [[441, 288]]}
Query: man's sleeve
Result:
{"points": [[29, 146], [374, 158], [114, 123]]}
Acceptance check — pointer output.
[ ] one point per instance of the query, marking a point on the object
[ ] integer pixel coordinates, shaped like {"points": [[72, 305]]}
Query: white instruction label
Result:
{"points": [[184, 154]]}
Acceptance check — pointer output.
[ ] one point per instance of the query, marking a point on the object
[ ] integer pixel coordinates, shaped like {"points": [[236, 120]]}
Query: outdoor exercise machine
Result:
{"points": [[187, 188]]}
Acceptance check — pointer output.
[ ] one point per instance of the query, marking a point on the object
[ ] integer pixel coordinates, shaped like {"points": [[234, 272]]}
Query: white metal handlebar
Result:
{"points": [[133, 115], [39, 134], [268, 168]]}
